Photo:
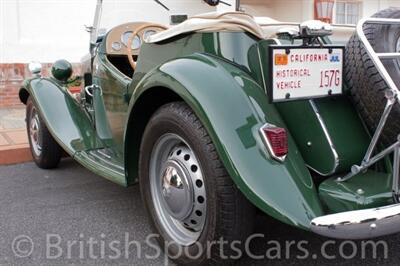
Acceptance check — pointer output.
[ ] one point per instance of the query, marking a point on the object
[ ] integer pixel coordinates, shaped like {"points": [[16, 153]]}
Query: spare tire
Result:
{"points": [[366, 85]]}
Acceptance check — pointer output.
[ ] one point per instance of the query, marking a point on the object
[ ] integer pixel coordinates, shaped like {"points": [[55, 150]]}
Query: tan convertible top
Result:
{"points": [[213, 21]]}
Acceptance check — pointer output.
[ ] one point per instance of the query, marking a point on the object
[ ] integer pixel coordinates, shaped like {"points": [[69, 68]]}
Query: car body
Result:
{"points": [[224, 76]]}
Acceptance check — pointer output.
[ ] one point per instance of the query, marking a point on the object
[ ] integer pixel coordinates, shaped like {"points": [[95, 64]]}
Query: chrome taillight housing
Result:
{"points": [[275, 139]]}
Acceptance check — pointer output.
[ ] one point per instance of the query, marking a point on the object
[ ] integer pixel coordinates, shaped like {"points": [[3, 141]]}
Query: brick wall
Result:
{"points": [[11, 78]]}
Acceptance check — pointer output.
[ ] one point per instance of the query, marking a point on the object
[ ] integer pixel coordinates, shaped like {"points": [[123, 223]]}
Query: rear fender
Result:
{"points": [[233, 107]]}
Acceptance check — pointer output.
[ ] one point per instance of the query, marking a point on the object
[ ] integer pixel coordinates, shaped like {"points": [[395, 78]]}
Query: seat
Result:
{"points": [[210, 22]]}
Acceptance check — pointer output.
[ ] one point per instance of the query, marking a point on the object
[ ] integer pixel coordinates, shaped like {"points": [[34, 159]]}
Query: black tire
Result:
{"points": [[366, 84], [50, 153], [229, 214]]}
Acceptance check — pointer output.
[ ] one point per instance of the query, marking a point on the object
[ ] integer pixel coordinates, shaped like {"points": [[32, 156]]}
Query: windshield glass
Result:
{"points": [[117, 12]]}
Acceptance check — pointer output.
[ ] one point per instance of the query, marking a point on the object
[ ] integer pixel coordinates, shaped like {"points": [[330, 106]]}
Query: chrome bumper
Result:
{"points": [[360, 224]]}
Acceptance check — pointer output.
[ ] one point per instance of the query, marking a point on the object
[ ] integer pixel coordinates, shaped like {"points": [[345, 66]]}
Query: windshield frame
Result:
{"points": [[94, 30]]}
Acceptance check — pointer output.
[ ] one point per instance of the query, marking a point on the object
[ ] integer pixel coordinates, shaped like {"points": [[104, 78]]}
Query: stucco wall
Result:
{"points": [[300, 10], [372, 6], [283, 10], [46, 30]]}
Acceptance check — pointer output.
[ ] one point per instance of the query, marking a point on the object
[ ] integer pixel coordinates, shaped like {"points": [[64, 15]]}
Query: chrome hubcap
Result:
{"points": [[177, 188], [34, 132]]}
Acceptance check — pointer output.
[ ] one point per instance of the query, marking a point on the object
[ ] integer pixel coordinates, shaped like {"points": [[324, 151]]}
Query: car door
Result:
{"points": [[113, 114]]}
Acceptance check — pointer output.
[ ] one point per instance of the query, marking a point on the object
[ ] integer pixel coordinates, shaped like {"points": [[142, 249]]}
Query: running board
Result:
{"points": [[100, 161]]}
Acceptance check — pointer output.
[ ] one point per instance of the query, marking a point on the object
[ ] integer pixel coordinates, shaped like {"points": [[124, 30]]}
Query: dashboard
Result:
{"points": [[117, 39]]}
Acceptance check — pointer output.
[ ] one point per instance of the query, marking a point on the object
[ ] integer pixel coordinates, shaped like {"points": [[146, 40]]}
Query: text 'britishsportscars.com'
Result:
{"points": [[54, 246]]}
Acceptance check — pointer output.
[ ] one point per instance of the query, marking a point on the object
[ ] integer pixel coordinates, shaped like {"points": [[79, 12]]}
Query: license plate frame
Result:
{"points": [[306, 86]]}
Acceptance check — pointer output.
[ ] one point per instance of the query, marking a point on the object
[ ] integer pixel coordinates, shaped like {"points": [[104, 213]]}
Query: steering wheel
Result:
{"points": [[134, 33]]}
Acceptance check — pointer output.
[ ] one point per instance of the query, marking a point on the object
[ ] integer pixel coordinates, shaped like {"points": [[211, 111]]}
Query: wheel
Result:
{"points": [[45, 150], [188, 194], [366, 85]]}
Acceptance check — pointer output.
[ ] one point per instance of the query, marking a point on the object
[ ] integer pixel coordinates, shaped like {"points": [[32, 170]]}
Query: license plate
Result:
{"points": [[303, 73]]}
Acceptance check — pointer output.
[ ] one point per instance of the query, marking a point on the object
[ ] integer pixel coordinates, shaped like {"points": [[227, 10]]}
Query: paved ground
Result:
{"points": [[13, 136], [12, 127], [72, 207], [12, 117]]}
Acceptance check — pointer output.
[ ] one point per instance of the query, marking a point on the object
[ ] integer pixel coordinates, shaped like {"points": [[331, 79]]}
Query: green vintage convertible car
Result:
{"points": [[219, 115]]}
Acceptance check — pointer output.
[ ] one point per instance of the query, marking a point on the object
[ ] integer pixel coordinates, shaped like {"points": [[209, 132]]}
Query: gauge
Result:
{"points": [[136, 42], [116, 46], [125, 37], [148, 33]]}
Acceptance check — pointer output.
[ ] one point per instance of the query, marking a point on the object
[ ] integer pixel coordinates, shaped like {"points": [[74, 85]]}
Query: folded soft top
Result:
{"points": [[213, 21]]}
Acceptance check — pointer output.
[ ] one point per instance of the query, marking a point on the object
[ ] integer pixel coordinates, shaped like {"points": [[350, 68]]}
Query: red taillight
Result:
{"points": [[277, 140]]}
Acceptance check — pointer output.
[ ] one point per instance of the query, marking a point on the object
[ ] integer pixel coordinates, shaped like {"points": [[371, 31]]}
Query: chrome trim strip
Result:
{"points": [[102, 153], [94, 162], [359, 224], [98, 154], [328, 138]]}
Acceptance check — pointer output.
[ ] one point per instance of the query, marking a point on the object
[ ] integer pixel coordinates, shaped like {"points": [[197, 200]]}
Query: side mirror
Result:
{"points": [[212, 2]]}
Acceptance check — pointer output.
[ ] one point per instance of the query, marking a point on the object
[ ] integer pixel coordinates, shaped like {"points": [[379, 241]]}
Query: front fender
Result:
{"points": [[68, 125], [233, 107]]}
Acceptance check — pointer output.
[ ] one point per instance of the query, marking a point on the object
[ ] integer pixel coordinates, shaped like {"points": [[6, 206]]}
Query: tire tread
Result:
{"points": [[235, 217], [51, 152], [366, 85]]}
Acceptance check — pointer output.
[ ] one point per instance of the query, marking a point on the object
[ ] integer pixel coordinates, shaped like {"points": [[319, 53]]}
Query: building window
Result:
{"points": [[348, 12]]}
